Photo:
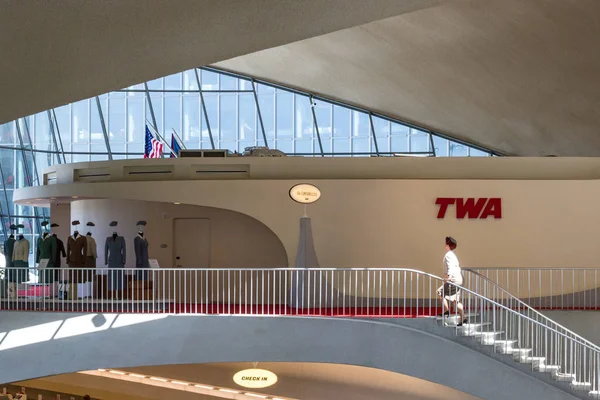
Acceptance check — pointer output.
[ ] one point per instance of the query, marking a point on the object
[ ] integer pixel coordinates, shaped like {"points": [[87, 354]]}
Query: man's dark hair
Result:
{"points": [[451, 242]]}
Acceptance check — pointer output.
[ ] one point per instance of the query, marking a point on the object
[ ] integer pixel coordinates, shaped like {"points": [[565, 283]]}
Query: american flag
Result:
{"points": [[153, 148]]}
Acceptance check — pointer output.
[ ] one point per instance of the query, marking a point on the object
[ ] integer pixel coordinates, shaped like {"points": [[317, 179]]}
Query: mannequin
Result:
{"points": [[92, 255], [140, 244], [46, 250], [20, 261], [76, 254], [60, 252], [9, 246], [114, 257]]}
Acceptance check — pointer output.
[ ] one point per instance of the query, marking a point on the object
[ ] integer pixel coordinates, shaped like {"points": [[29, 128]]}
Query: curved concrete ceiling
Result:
{"points": [[518, 77], [54, 52]]}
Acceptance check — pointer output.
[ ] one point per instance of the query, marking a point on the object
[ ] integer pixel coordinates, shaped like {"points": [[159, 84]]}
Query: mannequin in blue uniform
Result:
{"points": [[114, 257]]}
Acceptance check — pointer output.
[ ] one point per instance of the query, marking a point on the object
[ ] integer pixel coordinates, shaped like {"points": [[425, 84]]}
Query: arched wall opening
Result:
{"points": [[224, 239]]}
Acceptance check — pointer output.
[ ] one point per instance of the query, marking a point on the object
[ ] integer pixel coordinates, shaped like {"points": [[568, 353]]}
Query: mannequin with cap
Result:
{"points": [[20, 263], [92, 254], [9, 246], [140, 244], [114, 257], [60, 253], [46, 250], [76, 255]]}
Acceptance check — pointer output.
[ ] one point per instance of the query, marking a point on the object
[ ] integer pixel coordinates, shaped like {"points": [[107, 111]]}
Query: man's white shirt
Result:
{"points": [[451, 265]]}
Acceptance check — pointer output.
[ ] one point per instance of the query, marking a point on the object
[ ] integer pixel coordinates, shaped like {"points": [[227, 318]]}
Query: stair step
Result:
{"points": [[564, 377], [595, 394], [549, 368], [519, 352], [532, 360], [457, 317], [581, 385]]}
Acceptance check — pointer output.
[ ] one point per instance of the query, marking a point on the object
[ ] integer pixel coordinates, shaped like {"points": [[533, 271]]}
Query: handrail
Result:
{"points": [[552, 288], [534, 311], [320, 292]]}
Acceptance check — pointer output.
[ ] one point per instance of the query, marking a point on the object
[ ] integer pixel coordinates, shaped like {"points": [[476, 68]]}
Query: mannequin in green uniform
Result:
{"points": [[46, 250]]}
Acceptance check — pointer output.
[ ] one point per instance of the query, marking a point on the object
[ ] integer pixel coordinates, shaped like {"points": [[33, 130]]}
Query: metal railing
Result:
{"points": [[549, 288], [508, 324]]}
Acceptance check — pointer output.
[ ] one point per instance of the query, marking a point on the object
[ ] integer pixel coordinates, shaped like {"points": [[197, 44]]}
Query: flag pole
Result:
{"points": [[161, 138], [179, 139]]}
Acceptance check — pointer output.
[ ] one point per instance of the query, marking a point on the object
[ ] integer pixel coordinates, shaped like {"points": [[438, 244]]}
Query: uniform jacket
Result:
{"points": [[141, 252], [21, 250], [60, 251], [46, 249], [9, 246], [114, 252], [76, 251], [92, 248]]}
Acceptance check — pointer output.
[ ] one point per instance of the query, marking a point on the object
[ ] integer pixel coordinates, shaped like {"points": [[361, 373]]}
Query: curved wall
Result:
{"points": [[122, 341], [236, 240]]}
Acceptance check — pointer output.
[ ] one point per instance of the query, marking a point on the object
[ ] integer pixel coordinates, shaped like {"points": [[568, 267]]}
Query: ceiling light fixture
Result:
{"points": [[175, 385], [205, 387], [74, 197], [176, 203]]}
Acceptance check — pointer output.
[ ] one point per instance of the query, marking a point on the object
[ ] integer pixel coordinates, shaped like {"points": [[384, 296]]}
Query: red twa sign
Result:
{"points": [[471, 208]]}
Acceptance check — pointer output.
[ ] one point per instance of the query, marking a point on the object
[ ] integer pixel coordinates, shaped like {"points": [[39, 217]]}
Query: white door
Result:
{"points": [[192, 243]]}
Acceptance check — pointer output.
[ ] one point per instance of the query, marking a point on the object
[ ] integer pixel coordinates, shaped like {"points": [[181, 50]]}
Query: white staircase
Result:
{"points": [[503, 333]]}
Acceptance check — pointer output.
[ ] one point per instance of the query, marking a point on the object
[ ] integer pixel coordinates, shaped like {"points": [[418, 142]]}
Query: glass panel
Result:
{"points": [[323, 114], [304, 146], [360, 124], [63, 120], [304, 118], [81, 148], [247, 117], [42, 135], [441, 146], [157, 104], [135, 120], [260, 88], [382, 133], [399, 129], [242, 144], [267, 108], [228, 83], [477, 153], [116, 121], [399, 144], [189, 80], [287, 146], [341, 145], [228, 145], [212, 109], [173, 82], [172, 116], [209, 80], [228, 116], [457, 150], [156, 84], [341, 122], [419, 143], [360, 145], [191, 121], [285, 114], [80, 123], [326, 143], [96, 132], [8, 134]]}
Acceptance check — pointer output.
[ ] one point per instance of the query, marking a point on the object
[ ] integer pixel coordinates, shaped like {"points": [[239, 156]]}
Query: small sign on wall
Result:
{"points": [[471, 208], [153, 263]]}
